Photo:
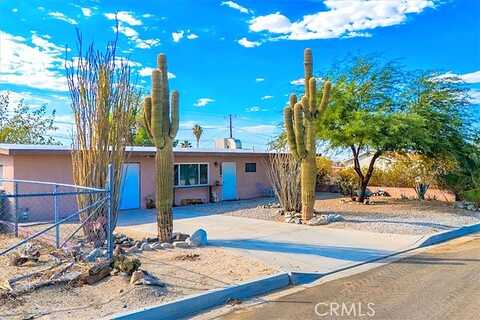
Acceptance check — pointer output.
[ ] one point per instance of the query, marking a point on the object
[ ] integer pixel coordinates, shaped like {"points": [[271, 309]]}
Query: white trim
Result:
{"points": [[192, 185]]}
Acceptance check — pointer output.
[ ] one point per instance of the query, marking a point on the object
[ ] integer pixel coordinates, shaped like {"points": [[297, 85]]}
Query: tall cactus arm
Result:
{"points": [[175, 114], [164, 92], [308, 66], [299, 130], [157, 123], [147, 115], [288, 114], [327, 86], [312, 98]]}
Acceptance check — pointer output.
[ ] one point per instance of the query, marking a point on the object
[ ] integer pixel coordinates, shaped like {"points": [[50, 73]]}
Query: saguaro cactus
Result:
{"points": [[161, 124], [300, 119]]}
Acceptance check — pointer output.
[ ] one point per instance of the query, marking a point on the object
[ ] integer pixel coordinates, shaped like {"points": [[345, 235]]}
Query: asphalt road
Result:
{"points": [[441, 283]]}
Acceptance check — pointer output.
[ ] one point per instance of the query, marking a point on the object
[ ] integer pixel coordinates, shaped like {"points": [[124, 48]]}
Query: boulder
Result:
{"points": [[133, 249], [145, 247], [180, 244], [155, 246], [198, 238], [136, 277], [178, 236], [166, 245]]}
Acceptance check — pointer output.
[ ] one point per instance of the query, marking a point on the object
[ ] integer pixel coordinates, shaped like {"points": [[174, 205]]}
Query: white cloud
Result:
{"points": [[259, 79], [87, 12], [248, 44], [301, 81], [267, 97], [192, 36], [255, 109], [36, 65], [125, 17], [15, 10], [147, 72], [235, 6], [177, 36], [202, 102], [133, 35], [147, 15], [274, 23], [342, 19], [60, 16], [471, 77], [474, 96], [262, 129]]}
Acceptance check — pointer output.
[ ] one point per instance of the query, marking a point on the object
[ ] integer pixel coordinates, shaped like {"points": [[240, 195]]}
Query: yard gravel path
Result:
{"points": [[386, 215]]}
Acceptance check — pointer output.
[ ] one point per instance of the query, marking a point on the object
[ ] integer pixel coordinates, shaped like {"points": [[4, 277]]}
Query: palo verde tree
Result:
{"points": [[161, 121], [23, 124], [378, 108], [300, 119]]}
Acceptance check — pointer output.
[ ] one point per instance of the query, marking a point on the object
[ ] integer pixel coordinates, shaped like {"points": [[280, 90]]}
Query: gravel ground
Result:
{"points": [[184, 272], [386, 215]]}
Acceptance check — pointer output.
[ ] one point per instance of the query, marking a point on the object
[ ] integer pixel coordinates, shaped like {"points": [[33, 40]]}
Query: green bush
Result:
{"points": [[473, 196], [347, 181]]}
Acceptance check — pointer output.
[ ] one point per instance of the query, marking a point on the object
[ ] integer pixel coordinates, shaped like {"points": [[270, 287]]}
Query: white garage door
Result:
{"points": [[130, 187]]}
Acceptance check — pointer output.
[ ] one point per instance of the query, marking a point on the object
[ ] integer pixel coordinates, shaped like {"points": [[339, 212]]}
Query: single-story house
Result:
{"points": [[201, 175]]}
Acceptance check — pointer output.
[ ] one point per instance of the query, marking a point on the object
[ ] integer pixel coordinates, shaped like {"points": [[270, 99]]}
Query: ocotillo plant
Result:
{"points": [[300, 120], [162, 126]]}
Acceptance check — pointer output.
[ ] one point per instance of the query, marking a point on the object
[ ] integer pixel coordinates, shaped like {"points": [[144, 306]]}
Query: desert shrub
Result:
{"points": [[284, 174], [324, 170], [347, 181], [473, 196]]}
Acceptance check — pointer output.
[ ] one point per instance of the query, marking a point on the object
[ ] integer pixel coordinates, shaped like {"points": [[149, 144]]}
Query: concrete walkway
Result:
{"points": [[289, 247]]}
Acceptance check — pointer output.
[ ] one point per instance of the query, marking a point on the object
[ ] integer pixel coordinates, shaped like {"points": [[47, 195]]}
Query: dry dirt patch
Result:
{"points": [[184, 272]]}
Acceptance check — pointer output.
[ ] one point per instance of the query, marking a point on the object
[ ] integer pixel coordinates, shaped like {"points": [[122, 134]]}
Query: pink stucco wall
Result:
{"points": [[56, 167]]}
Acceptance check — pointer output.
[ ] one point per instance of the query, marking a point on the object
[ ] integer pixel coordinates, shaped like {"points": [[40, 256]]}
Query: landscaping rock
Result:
{"points": [[96, 273], [155, 246], [93, 255], [145, 247], [178, 236], [133, 249], [180, 244], [136, 277], [198, 238], [324, 219], [166, 245]]}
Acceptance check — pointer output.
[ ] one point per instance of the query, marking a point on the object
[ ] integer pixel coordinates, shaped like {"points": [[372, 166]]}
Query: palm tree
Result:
{"points": [[185, 144], [197, 132]]}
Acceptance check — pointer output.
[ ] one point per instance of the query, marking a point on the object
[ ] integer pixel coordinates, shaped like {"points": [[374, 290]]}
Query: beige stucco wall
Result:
{"points": [[58, 168]]}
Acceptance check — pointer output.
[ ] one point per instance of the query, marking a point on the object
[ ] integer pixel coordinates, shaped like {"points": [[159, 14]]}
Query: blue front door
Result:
{"points": [[130, 187], [229, 181]]}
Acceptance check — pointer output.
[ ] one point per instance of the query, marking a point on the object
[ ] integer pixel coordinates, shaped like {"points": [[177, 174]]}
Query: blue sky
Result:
{"points": [[232, 57]]}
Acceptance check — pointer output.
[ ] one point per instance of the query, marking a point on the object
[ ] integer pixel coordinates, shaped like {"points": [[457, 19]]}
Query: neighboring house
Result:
{"points": [[383, 162], [200, 174]]}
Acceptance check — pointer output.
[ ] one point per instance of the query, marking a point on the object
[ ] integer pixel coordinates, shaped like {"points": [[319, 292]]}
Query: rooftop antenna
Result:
{"points": [[230, 125]]}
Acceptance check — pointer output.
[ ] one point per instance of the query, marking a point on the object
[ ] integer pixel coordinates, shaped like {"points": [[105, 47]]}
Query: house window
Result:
{"points": [[250, 167], [190, 174]]}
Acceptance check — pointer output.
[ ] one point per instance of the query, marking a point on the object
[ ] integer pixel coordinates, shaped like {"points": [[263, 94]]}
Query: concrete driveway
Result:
{"points": [[289, 247]]}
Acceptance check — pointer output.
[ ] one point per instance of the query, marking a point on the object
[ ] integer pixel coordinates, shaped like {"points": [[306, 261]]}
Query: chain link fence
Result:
{"points": [[61, 215]]}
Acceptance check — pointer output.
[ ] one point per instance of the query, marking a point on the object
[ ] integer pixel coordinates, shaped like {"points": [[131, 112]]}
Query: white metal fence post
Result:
{"points": [[55, 212], [15, 191], [109, 213]]}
